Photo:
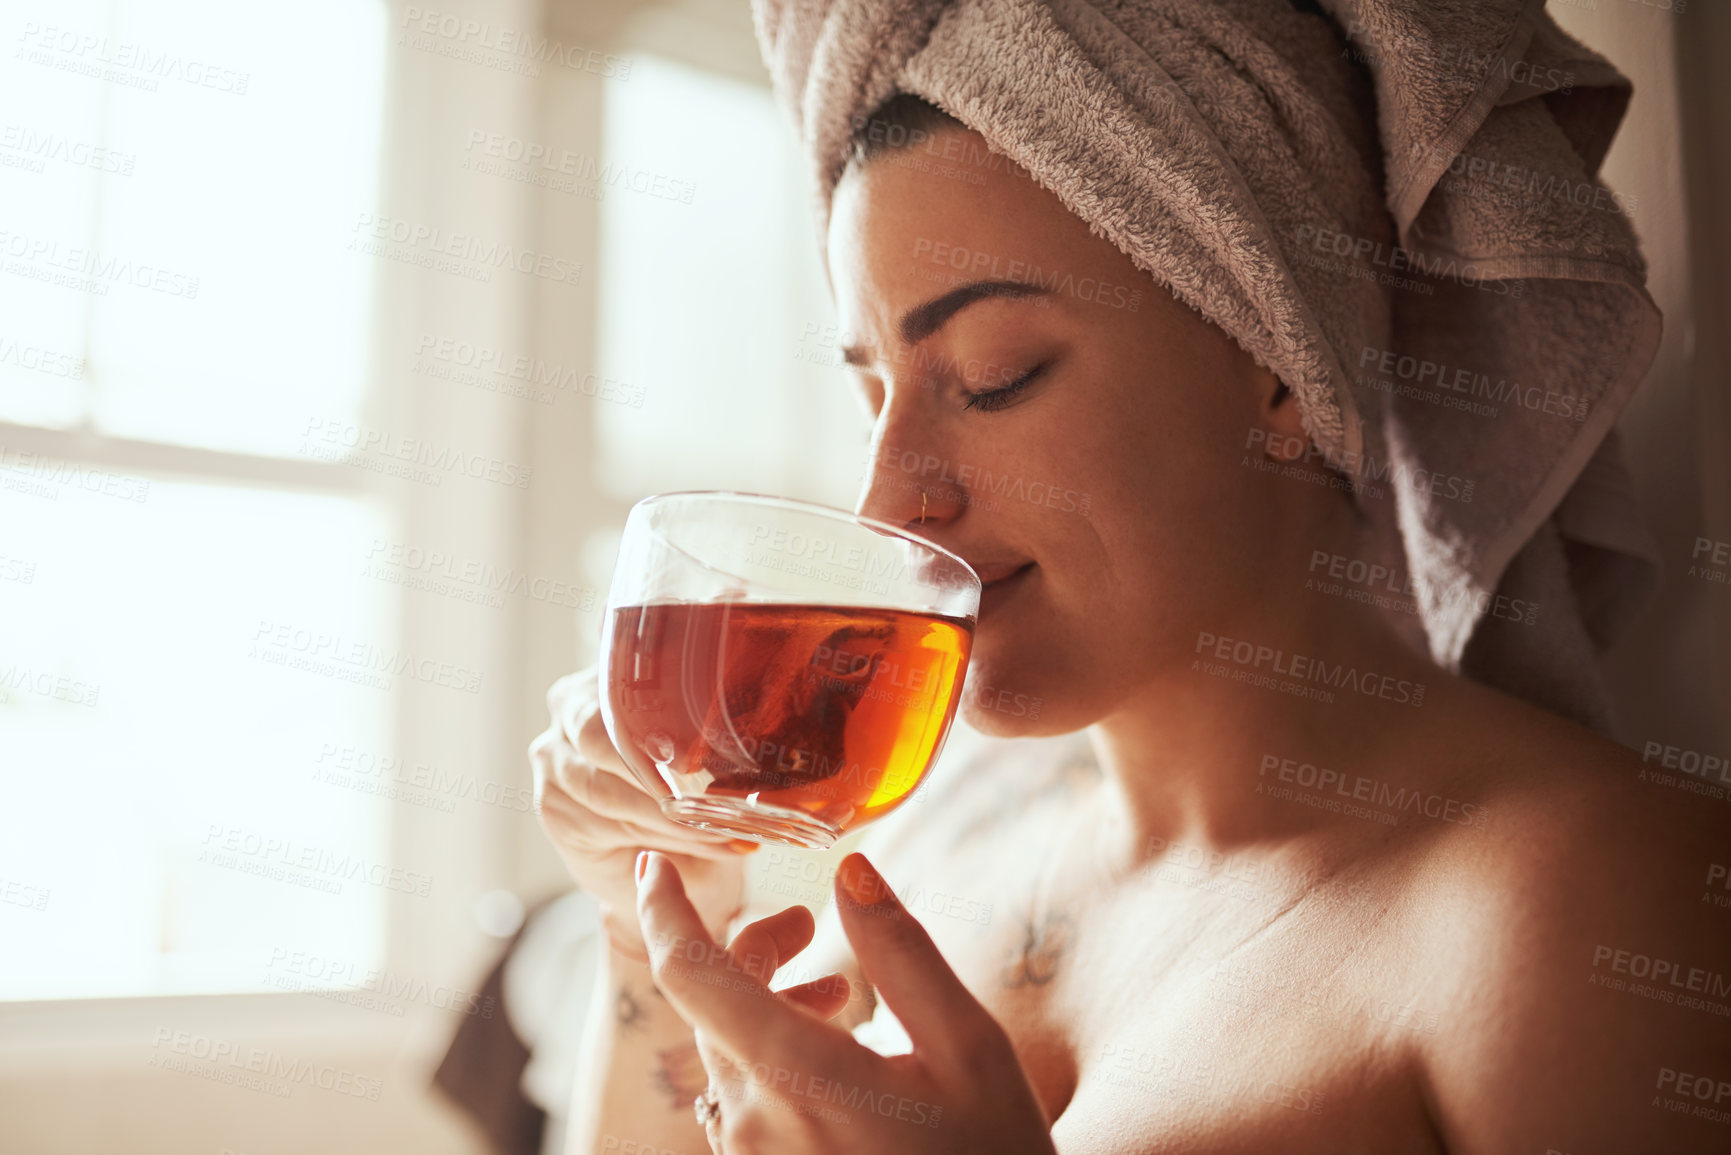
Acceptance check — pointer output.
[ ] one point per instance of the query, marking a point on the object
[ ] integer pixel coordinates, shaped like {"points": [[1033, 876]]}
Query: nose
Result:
{"points": [[909, 480]]}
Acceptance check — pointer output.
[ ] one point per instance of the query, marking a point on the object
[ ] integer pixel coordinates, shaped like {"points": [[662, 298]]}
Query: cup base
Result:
{"points": [[755, 822]]}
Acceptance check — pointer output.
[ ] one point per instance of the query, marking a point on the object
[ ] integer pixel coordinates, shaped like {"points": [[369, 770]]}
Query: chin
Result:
{"points": [[995, 725], [1036, 723], [1000, 704], [1001, 695], [1029, 693]]}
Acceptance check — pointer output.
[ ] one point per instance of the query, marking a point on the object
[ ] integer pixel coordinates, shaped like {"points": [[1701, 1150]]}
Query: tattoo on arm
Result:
{"points": [[679, 1075], [628, 1013]]}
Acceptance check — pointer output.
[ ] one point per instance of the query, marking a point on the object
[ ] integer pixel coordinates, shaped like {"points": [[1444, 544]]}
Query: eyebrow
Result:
{"points": [[922, 321]]}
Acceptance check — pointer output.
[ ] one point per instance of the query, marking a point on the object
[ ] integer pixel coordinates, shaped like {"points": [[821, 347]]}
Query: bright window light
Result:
{"points": [[161, 737], [712, 299], [180, 179], [205, 201]]}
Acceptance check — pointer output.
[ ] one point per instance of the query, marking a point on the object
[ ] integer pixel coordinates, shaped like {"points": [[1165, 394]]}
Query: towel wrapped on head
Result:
{"points": [[1392, 205]]}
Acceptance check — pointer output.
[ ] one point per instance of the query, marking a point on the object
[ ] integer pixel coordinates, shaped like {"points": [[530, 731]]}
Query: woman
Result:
{"points": [[1292, 884]]}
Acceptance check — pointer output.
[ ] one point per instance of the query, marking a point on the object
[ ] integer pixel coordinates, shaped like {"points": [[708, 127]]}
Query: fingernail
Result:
{"points": [[743, 846], [863, 883], [641, 865]]}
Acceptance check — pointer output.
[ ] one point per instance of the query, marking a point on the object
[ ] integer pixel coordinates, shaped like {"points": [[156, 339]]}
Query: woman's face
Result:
{"points": [[1111, 473]]}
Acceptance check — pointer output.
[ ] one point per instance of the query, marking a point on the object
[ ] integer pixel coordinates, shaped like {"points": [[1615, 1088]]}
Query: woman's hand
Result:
{"points": [[788, 1081], [599, 816]]}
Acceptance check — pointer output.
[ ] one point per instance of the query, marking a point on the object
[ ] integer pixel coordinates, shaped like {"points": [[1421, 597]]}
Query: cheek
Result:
{"points": [[1116, 434], [1050, 670], [1010, 682], [1171, 537], [1175, 507], [1121, 596]]}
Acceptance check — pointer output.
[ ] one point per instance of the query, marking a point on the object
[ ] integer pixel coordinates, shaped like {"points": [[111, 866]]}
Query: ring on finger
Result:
{"points": [[707, 1107]]}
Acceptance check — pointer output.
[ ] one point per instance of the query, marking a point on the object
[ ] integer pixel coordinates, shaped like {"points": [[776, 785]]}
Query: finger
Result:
{"points": [[595, 744], [700, 980], [576, 706], [543, 760], [623, 801], [567, 698], [826, 997], [619, 941], [764, 946], [722, 1083], [560, 689], [615, 797], [899, 958], [573, 771], [716, 1065], [619, 794], [577, 826]]}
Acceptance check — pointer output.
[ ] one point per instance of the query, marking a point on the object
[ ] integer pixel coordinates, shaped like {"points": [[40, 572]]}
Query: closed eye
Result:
{"points": [[1003, 395]]}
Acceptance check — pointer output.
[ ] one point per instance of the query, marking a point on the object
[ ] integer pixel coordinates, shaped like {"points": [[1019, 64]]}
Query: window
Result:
{"points": [[713, 304], [719, 302], [185, 648]]}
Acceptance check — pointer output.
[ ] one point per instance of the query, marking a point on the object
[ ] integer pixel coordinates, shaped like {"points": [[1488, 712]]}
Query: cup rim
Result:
{"points": [[830, 511]]}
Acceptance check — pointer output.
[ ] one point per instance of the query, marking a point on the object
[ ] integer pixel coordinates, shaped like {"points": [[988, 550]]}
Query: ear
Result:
{"points": [[1279, 414]]}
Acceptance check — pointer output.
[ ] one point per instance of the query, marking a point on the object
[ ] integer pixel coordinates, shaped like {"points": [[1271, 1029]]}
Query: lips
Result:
{"points": [[1000, 575]]}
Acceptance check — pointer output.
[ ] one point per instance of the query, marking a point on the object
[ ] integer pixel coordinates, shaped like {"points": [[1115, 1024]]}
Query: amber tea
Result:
{"points": [[778, 670], [830, 712]]}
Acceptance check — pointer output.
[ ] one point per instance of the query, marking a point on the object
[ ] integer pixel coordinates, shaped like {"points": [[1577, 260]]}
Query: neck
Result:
{"points": [[1257, 702]]}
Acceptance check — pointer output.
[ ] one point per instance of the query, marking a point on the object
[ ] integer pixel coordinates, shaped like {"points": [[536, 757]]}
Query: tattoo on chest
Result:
{"points": [[1034, 962]]}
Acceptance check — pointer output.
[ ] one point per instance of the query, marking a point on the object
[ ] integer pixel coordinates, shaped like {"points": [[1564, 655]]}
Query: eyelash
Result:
{"points": [[992, 399]]}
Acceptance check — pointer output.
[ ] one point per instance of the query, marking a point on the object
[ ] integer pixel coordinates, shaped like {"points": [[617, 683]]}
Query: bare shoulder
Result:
{"points": [[1579, 830], [1581, 939]]}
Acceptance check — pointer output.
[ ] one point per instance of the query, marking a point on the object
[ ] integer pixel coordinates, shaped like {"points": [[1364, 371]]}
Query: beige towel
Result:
{"points": [[1393, 207]]}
